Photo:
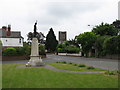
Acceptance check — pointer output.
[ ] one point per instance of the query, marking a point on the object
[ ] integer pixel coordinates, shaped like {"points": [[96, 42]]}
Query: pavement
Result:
{"points": [[108, 64]]}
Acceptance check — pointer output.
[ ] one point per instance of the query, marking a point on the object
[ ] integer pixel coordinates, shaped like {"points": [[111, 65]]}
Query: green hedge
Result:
{"points": [[9, 52], [20, 51], [72, 49], [67, 49]]}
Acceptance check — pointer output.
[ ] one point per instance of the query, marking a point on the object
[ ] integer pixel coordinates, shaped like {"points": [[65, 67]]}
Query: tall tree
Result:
{"points": [[51, 42], [105, 29]]}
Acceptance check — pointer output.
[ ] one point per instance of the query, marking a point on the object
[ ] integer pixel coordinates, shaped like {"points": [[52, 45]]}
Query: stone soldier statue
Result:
{"points": [[35, 28], [35, 59]]}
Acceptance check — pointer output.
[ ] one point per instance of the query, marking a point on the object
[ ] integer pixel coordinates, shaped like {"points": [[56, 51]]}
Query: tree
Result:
{"points": [[51, 42], [105, 29], [72, 42], [42, 50], [87, 41], [99, 45], [112, 45], [30, 35], [117, 25]]}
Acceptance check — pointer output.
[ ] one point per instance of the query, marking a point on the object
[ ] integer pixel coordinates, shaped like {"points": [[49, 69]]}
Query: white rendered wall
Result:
{"points": [[14, 42]]}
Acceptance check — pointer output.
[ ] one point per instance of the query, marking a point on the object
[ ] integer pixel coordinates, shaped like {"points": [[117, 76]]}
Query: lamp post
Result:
{"points": [[91, 25]]}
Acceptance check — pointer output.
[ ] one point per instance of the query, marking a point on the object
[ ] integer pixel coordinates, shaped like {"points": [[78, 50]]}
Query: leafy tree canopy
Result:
{"points": [[105, 29], [87, 40], [116, 24]]}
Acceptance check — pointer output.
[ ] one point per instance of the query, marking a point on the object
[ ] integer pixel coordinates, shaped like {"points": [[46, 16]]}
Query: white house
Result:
{"points": [[10, 38]]}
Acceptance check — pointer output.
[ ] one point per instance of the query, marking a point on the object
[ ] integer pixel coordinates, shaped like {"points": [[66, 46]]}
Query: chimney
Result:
{"points": [[4, 28], [9, 30]]}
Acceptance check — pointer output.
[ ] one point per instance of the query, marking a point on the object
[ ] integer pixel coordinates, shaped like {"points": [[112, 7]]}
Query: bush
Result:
{"points": [[70, 63], [82, 65], [72, 49], [67, 48], [57, 62], [9, 52], [42, 50], [0, 44], [20, 51], [60, 50], [64, 62], [75, 64], [0, 48], [112, 72], [91, 67]]}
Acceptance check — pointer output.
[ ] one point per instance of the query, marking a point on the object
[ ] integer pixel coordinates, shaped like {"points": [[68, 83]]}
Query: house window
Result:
{"points": [[19, 40]]}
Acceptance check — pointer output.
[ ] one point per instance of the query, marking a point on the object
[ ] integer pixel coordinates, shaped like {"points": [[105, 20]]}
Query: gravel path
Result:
{"points": [[60, 70]]}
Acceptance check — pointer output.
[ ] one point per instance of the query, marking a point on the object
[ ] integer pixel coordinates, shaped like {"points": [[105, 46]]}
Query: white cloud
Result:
{"points": [[70, 15]]}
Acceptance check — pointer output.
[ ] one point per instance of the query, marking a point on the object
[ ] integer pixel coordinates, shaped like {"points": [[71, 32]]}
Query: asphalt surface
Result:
{"points": [[107, 64]]}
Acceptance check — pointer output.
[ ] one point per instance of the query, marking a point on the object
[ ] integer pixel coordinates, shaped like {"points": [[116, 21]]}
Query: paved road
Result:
{"points": [[96, 62]]}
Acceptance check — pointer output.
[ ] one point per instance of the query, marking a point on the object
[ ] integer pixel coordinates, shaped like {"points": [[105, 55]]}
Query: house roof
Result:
{"points": [[14, 34]]}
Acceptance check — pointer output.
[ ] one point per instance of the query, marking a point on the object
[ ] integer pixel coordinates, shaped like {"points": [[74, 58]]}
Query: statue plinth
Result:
{"points": [[35, 59]]}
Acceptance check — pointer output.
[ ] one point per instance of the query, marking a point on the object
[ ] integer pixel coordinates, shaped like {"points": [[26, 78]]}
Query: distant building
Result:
{"points": [[10, 38], [62, 36]]}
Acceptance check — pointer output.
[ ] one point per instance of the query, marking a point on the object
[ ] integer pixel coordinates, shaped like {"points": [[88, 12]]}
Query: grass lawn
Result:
{"points": [[43, 78], [71, 67]]}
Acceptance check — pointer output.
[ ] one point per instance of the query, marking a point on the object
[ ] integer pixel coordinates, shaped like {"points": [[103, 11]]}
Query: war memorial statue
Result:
{"points": [[35, 59]]}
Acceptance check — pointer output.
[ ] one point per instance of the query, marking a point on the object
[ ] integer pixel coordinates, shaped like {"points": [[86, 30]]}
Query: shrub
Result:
{"points": [[82, 65], [42, 50], [9, 52], [112, 72], [70, 62], [0, 44], [64, 62], [75, 64], [60, 50], [57, 62], [20, 51], [91, 67], [72, 49], [67, 48]]}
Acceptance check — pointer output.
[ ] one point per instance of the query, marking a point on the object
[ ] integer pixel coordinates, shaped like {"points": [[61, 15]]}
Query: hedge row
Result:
{"points": [[67, 49], [22, 51]]}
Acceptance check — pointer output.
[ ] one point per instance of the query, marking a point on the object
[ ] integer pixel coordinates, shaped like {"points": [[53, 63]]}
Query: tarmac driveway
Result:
{"points": [[108, 64]]}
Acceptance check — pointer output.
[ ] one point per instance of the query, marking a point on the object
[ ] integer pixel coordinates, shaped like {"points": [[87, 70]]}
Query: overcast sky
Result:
{"points": [[72, 16]]}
